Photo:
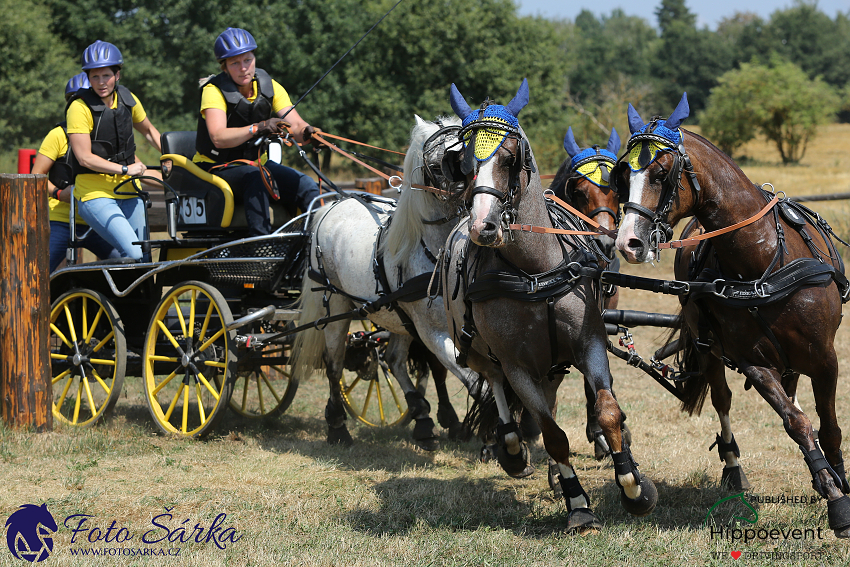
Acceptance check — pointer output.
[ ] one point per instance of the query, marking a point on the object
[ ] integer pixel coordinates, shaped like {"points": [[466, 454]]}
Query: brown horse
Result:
{"points": [[583, 181], [764, 296], [522, 307]]}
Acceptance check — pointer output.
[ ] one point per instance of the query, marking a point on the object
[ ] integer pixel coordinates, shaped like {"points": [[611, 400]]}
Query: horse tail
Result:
{"points": [[482, 417], [309, 345], [694, 389]]}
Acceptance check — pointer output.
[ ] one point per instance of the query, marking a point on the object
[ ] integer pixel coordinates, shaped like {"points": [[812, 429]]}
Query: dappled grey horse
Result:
{"points": [[522, 307]]}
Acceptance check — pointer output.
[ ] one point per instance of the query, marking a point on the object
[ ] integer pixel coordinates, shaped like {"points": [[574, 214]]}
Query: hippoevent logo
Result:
{"points": [[30, 528], [733, 519], [28, 532]]}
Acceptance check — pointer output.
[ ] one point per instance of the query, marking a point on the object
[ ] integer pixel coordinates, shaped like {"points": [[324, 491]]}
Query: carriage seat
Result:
{"points": [[206, 201]]}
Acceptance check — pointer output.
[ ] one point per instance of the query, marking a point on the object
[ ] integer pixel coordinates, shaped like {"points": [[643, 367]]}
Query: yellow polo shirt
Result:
{"points": [[53, 147], [96, 185], [212, 97]]}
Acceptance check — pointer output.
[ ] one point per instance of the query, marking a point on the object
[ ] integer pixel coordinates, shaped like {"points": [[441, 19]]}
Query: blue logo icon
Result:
{"points": [[29, 532]]}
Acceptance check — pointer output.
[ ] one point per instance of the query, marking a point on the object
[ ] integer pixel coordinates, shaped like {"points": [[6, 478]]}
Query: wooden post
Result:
{"points": [[374, 185], [25, 374]]}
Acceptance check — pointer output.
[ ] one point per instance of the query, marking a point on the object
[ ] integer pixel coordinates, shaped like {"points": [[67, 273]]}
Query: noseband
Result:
{"points": [[661, 230], [521, 162]]}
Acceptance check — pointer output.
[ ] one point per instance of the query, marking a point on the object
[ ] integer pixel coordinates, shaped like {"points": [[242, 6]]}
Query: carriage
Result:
{"points": [[202, 326]]}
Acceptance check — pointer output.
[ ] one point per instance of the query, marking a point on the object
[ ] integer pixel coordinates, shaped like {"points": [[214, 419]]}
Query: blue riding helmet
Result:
{"points": [[101, 54], [77, 82], [232, 42]]}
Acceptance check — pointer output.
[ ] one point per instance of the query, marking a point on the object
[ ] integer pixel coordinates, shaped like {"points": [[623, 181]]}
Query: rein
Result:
{"points": [[545, 230], [707, 235]]}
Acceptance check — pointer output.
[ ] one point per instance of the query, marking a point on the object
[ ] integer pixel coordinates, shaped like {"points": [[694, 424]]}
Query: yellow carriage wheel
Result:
{"points": [[264, 385], [189, 360], [371, 394], [88, 356]]}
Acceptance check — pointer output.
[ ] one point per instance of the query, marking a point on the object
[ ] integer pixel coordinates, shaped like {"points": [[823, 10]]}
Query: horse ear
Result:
{"points": [[458, 104], [682, 111], [635, 121], [419, 121], [613, 142], [520, 100], [570, 143]]}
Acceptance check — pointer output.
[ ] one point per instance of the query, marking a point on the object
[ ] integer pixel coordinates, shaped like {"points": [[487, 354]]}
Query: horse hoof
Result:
{"points": [[839, 516], [517, 466], [734, 479], [424, 436], [339, 436], [582, 521], [555, 480], [643, 504]]}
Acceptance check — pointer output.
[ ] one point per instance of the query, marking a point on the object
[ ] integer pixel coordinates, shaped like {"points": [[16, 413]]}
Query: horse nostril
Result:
{"points": [[488, 228], [635, 244]]}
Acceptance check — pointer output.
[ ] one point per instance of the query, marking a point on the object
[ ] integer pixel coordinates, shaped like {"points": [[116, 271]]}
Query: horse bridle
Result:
{"points": [[662, 230], [449, 178], [606, 165], [522, 162]]}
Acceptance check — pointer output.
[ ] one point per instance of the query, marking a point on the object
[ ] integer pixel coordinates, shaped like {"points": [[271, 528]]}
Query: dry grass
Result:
{"points": [[297, 501]]}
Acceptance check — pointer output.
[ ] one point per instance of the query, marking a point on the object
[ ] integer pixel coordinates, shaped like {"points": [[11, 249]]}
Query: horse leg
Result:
{"points": [[562, 475], [418, 407], [733, 476], [446, 414], [334, 357], [825, 480], [511, 450]]}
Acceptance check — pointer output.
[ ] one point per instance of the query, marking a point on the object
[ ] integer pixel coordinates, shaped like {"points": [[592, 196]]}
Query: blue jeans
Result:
{"points": [[119, 221], [296, 190], [60, 237]]}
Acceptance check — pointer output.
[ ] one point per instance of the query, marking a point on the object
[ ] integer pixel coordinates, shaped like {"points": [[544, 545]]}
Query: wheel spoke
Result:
{"points": [[168, 334], [211, 340], [209, 387], [85, 316], [162, 384], [102, 361], [347, 391], [57, 356], [65, 390], [186, 409], [380, 403], [100, 312], [268, 384], [60, 376], [77, 401], [101, 381], [174, 402], [206, 324], [104, 340], [393, 391], [89, 396], [201, 412], [158, 358], [192, 295], [179, 314], [71, 327], [61, 336], [260, 395], [245, 393], [368, 398], [215, 364]]}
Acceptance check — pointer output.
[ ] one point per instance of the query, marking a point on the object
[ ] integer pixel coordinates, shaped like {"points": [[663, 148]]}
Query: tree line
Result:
{"points": [[581, 73]]}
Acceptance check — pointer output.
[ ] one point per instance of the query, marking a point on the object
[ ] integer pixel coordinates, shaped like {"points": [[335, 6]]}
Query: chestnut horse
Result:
{"points": [[763, 299], [521, 304]]}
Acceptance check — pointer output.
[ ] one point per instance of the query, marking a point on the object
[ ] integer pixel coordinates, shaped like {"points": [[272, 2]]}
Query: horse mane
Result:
{"points": [[414, 205], [733, 169]]}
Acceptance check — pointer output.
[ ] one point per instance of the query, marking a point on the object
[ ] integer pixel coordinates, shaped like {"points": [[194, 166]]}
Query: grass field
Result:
{"points": [[290, 499]]}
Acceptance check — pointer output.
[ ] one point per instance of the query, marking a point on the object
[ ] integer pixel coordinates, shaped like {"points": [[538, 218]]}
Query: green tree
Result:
{"points": [[778, 101], [34, 68]]}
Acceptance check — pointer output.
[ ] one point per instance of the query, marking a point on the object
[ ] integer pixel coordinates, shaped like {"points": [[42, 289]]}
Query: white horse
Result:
{"points": [[346, 237]]}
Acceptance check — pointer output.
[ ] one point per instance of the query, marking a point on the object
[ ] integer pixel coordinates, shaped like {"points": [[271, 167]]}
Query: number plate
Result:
{"points": [[193, 210]]}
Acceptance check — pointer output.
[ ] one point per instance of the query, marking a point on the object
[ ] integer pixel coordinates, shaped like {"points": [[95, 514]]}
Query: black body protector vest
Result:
{"points": [[240, 112], [61, 173], [112, 135]]}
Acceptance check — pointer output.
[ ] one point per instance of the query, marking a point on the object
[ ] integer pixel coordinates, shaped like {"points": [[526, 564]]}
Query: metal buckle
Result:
{"points": [[722, 290], [534, 285], [396, 187], [760, 292]]}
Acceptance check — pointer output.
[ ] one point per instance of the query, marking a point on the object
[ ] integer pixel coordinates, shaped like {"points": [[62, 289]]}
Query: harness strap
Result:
{"points": [[706, 235], [765, 328]]}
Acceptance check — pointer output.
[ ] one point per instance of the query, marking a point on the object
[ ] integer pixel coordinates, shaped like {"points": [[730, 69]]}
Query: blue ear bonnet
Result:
{"points": [[496, 111], [589, 153], [674, 136]]}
